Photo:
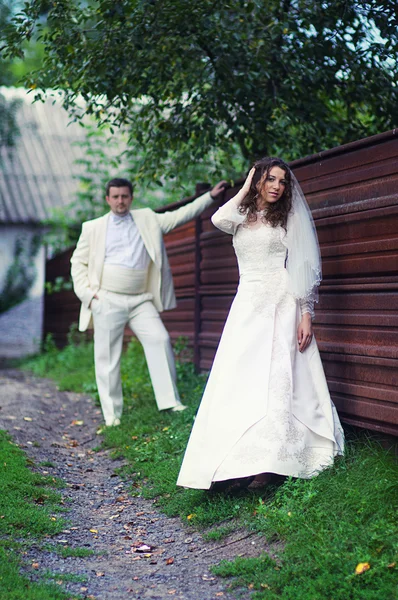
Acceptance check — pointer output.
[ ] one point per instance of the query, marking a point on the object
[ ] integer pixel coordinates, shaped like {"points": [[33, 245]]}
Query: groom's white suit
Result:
{"points": [[109, 312]]}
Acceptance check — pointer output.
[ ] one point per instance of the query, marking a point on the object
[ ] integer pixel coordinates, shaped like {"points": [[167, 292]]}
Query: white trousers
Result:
{"points": [[111, 313]]}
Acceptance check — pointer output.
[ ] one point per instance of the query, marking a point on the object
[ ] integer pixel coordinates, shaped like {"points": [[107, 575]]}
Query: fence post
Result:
{"points": [[201, 188]]}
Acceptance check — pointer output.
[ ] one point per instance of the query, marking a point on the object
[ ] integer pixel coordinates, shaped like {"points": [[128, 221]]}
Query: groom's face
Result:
{"points": [[119, 200]]}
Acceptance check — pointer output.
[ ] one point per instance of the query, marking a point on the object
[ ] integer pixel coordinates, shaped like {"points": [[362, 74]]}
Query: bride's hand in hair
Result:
{"points": [[246, 186], [244, 190]]}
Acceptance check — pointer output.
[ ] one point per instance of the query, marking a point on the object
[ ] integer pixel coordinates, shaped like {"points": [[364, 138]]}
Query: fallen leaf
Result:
{"points": [[59, 582], [392, 565], [147, 555], [250, 586], [100, 574], [171, 592], [169, 561], [189, 517], [94, 530], [219, 593], [207, 578], [27, 419], [35, 565], [265, 585], [139, 514], [361, 568], [169, 541], [165, 429], [77, 422], [142, 548]]}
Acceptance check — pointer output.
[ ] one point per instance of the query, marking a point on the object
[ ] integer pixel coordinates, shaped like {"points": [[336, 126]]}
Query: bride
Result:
{"points": [[266, 408]]}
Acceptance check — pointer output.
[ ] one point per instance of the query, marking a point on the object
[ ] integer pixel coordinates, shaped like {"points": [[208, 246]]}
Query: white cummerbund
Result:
{"points": [[123, 280]]}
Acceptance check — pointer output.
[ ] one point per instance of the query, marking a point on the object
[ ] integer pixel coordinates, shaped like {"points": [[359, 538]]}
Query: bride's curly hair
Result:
{"points": [[276, 213]]}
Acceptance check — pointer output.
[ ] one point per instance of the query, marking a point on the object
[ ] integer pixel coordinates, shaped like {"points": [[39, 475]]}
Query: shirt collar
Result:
{"points": [[117, 219]]}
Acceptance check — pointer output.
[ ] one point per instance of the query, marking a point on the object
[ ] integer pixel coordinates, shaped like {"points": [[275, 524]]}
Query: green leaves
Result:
{"points": [[186, 78]]}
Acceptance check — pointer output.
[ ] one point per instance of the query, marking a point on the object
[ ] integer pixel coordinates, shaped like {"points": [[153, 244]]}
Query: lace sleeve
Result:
{"points": [[227, 218], [307, 306]]}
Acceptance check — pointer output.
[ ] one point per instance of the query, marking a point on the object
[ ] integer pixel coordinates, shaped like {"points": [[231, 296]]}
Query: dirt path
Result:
{"points": [[42, 421]]}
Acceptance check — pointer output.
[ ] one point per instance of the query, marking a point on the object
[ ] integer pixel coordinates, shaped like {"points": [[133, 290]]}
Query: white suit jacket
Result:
{"points": [[89, 255]]}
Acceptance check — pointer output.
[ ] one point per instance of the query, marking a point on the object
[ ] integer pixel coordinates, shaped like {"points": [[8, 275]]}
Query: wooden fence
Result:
{"points": [[353, 193]]}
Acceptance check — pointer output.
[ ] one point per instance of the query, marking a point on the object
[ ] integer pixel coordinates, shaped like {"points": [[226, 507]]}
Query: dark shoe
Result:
{"points": [[260, 482], [231, 485]]}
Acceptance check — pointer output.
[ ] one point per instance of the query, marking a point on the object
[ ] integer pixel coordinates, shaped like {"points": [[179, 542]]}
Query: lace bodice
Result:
{"points": [[259, 248]]}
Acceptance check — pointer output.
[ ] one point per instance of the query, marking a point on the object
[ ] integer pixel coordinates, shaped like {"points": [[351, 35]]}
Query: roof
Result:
{"points": [[37, 174]]}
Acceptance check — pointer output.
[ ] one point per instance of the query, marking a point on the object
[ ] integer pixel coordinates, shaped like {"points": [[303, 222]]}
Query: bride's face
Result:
{"points": [[273, 185]]}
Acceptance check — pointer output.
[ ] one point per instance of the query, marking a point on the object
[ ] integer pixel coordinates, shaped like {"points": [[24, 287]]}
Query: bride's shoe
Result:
{"points": [[260, 481], [178, 408], [229, 486]]}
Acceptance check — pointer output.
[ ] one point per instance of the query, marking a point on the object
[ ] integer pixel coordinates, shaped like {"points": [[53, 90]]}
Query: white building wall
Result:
{"points": [[22, 325]]}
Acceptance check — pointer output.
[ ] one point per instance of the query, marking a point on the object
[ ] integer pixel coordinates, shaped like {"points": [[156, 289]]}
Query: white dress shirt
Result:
{"points": [[124, 244]]}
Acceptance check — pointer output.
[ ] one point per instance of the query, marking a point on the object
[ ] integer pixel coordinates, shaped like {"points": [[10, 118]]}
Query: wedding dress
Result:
{"points": [[266, 407]]}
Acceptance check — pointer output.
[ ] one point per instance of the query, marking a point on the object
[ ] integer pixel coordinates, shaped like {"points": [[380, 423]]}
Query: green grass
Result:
{"points": [[27, 500], [218, 533], [14, 586], [29, 507], [345, 516], [72, 369], [67, 551], [326, 526]]}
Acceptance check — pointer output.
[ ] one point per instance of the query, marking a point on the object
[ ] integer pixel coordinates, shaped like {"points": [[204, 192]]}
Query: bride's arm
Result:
{"points": [[307, 306], [304, 332], [227, 218]]}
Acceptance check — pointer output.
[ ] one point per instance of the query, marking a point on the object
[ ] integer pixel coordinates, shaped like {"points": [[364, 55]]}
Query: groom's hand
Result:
{"points": [[218, 190]]}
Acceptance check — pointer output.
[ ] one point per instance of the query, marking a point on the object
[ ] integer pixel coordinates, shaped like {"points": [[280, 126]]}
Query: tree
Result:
{"points": [[8, 124], [197, 82]]}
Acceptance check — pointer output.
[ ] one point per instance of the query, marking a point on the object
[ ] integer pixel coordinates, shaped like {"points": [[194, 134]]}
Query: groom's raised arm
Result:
{"points": [[174, 218]]}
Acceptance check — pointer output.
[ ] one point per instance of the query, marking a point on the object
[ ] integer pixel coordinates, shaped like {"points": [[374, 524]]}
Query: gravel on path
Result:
{"points": [[102, 516]]}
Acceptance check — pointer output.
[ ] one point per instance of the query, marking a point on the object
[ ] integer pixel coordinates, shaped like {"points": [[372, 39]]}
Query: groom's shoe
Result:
{"points": [[179, 407], [113, 423]]}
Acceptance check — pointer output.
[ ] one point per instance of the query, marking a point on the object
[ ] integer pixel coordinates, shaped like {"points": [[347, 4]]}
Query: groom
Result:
{"points": [[121, 274]]}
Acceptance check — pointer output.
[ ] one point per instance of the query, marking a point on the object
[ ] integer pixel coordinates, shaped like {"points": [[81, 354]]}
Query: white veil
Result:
{"points": [[303, 257]]}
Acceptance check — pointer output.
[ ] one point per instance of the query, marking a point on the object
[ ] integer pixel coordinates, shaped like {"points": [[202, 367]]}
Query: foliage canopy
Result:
{"points": [[198, 79]]}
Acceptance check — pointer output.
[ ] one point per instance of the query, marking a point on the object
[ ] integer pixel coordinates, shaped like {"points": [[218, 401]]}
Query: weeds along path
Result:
{"points": [[57, 430]]}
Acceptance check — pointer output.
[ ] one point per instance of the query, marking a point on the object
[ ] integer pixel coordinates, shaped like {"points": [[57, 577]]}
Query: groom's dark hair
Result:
{"points": [[119, 182]]}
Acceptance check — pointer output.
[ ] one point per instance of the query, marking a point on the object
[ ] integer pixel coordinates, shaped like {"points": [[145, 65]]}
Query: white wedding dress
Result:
{"points": [[266, 407]]}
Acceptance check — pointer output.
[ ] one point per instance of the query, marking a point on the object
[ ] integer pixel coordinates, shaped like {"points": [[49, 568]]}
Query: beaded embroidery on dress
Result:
{"points": [[266, 407]]}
